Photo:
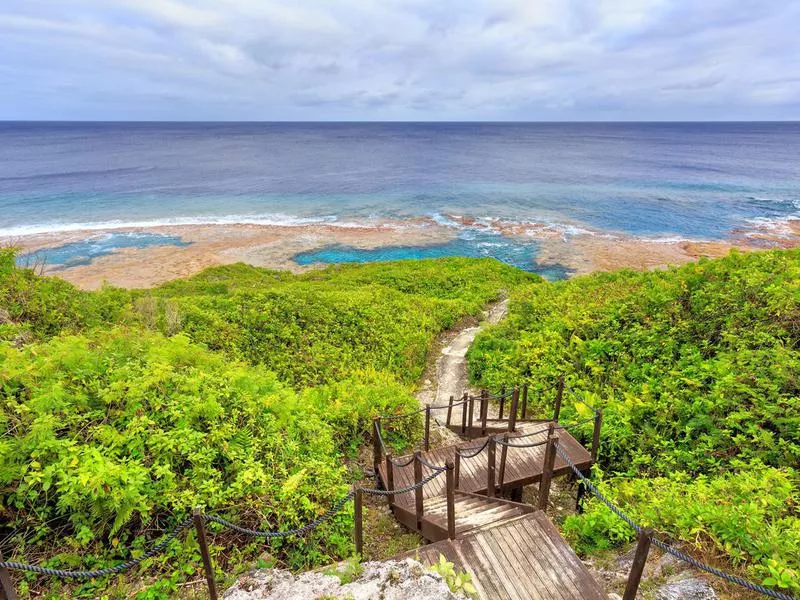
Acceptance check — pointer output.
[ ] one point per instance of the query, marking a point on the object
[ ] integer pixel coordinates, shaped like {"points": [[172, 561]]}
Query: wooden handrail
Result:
{"points": [[639, 560], [490, 482], [559, 397], [512, 415], [427, 427], [547, 472], [464, 414], [503, 455], [390, 480], [418, 499], [451, 499], [484, 410], [449, 410]]}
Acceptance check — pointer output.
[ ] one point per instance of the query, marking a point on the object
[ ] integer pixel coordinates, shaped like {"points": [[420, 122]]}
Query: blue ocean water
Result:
{"points": [[85, 251], [697, 180]]}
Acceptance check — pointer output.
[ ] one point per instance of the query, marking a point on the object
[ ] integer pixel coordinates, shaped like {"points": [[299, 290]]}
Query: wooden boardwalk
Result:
{"points": [[524, 466], [511, 549], [519, 558]]}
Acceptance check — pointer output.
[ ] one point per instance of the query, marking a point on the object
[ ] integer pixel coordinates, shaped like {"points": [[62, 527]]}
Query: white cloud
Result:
{"points": [[407, 59]]}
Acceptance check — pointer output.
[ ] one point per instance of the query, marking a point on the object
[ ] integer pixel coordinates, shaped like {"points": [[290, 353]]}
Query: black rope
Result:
{"points": [[581, 400], [120, 568], [666, 547], [330, 513], [508, 444], [401, 465], [430, 466], [404, 490], [480, 448]]}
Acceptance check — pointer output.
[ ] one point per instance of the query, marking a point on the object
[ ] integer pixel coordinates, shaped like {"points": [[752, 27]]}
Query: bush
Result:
{"points": [[695, 368]]}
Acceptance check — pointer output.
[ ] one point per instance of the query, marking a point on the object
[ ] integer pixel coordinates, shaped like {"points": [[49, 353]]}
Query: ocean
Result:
{"points": [[649, 180]]}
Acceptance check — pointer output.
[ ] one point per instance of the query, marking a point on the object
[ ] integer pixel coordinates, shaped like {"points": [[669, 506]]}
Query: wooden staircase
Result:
{"points": [[511, 549], [472, 511]]}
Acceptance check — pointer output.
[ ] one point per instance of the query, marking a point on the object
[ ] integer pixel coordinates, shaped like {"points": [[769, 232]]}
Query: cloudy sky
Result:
{"points": [[399, 59]]}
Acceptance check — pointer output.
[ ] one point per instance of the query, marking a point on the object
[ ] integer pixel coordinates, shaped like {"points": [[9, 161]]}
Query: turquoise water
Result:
{"points": [[521, 254], [85, 251], [643, 180]]}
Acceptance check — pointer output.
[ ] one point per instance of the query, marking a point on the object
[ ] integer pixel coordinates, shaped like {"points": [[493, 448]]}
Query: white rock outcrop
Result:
{"points": [[390, 580]]}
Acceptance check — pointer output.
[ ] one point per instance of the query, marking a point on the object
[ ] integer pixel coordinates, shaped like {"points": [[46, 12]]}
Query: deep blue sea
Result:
{"points": [[654, 180]]}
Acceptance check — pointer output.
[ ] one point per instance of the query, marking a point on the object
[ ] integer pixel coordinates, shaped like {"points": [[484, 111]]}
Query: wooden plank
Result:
{"points": [[539, 556], [527, 587]]}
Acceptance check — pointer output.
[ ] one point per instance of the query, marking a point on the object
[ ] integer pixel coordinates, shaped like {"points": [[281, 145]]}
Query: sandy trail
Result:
{"points": [[450, 376]]}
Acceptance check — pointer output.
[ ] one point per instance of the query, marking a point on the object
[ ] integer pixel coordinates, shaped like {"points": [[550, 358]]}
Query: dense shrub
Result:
{"points": [[123, 410], [696, 370]]}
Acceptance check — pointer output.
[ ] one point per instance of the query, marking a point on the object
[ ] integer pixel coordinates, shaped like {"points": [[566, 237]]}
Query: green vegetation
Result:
{"points": [[240, 390], [457, 581], [696, 369]]}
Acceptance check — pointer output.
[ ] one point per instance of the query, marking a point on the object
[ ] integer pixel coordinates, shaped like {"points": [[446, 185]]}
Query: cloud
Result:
{"points": [[399, 59]]}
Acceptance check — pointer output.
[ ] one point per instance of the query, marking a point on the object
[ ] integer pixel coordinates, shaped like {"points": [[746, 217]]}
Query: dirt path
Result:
{"points": [[449, 376]]}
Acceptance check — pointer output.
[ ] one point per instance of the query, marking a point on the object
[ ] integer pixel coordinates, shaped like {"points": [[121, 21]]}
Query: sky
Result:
{"points": [[418, 60]]}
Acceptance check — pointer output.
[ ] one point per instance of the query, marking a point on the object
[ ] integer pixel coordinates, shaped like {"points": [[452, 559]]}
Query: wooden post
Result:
{"points": [[547, 473], [524, 401], [358, 520], [390, 480], [449, 411], [484, 410], [559, 397], [208, 567], [502, 402], [427, 427], [471, 414], [598, 423], [503, 454], [7, 591], [418, 492], [639, 559], [376, 443], [490, 486], [451, 500], [464, 402], [512, 415], [457, 469]]}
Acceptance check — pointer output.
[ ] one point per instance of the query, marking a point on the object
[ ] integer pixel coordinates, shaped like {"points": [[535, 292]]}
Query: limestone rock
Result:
{"points": [[389, 580], [686, 589]]}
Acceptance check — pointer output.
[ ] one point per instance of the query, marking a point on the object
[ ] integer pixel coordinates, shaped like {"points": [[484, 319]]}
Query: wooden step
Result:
{"points": [[471, 512]]}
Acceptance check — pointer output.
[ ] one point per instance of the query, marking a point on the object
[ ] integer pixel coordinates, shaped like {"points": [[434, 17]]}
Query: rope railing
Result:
{"points": [[478, 450], [580, 399], [199, 518], [745, 583]]}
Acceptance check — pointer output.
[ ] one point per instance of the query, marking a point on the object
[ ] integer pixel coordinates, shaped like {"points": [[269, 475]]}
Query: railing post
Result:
{"points": [[559, 397], [418, 501], [464, 402], [471, 413], [490, 485], [7, 591], [547, 473], [376, 443], [502, 402], [451, 500], [208, 567], [358, 520], [512, 415], [637, 568], [449, 410], [484, 410], [457, 468], [390, 479], [503, 454], [524, 401], [598, 423], [427, 427]]}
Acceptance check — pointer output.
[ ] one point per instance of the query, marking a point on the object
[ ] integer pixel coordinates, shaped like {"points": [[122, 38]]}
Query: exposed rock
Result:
{"points": [[686, 589], [389, 580]]}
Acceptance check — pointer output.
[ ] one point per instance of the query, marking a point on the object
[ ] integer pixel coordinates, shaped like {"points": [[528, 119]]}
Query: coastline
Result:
{"points": [[580, 250]]}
